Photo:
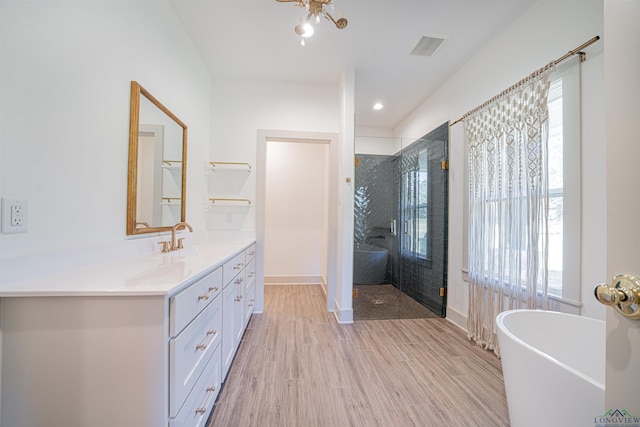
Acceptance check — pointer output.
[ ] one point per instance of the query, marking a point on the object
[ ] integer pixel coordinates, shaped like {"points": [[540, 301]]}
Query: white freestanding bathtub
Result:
{"points": [[554, 367]]}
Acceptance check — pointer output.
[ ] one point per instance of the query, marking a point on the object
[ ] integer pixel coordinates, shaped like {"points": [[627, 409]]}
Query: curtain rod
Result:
{"points": [[567, 55]]}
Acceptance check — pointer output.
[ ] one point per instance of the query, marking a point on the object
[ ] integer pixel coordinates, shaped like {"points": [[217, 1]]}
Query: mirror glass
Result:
{"points": [[157, 165]]}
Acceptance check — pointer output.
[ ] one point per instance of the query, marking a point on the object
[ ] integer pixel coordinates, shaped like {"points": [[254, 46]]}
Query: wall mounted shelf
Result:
{"points": [[229, 166], [171, 201], [172, 164], [216, 201]]}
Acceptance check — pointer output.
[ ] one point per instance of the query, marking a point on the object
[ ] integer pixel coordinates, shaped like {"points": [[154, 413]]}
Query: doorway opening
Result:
{"points": [[296, 209]]}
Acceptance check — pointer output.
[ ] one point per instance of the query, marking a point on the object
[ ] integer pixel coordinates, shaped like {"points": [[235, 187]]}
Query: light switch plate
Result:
{"points": [[14, 216]]}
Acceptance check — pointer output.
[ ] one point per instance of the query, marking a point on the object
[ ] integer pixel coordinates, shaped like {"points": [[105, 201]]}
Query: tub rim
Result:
{"points": [[502, 327]]}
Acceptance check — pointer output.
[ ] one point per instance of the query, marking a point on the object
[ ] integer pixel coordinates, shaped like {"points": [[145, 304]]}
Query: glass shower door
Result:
{"points": [[423, 210]]}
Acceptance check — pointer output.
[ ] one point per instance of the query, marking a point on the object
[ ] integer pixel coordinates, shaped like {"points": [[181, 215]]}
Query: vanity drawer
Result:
{"points": [[197, 408], [186, 305], [250, 271], [190, 351], [251, 252], [231, 268], [250, 302]]}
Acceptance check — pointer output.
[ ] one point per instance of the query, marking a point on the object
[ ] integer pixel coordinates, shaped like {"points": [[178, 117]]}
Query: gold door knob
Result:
{"points": [[623, 294]]}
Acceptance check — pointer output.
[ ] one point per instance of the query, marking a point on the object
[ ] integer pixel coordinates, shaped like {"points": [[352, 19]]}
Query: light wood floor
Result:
{"points": [[296, 366]]}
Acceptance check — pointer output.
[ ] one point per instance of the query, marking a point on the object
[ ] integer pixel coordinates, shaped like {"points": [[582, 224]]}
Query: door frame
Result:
{"points": [[265, 136]]}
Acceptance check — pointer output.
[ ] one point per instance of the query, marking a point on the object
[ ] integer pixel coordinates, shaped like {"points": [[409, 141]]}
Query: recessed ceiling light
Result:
{"points": [[378, 106]]}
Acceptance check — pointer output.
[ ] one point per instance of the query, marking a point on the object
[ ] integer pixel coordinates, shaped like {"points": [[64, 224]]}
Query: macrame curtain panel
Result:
{"points": [[508, 206]]}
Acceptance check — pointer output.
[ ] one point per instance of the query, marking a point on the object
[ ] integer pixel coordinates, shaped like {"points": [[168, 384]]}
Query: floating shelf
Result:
{"points": [[229, 166], [171, 201], [172, 164], [215, 201]]}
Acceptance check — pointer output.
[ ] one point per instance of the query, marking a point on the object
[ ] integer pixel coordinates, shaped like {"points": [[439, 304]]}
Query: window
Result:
{"points": [[556, 188], [564, 186], [415, 205]]}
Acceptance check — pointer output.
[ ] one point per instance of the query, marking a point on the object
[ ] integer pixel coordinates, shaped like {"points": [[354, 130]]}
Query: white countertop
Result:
{"points": [[152, 274]]}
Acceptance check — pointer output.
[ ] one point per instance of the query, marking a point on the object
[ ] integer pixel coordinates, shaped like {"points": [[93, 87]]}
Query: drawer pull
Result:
{"points": [[238, 299], [238, 266], [212, 332], [250, 305], [213, 289], [201, 347], [251, 275], [203, 410], [204, 297]]}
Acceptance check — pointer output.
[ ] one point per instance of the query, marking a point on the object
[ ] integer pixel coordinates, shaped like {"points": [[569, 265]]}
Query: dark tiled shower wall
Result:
{"points": [[373, 207]]}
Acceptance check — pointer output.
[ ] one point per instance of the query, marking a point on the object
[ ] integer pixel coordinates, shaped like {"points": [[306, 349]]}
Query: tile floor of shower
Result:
{"points": [[377, 302]]}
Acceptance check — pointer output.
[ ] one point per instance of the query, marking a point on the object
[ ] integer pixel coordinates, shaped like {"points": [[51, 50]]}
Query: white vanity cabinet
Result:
{"points": [[238, 296], [250, 288], [195, 329], [146, 349]]}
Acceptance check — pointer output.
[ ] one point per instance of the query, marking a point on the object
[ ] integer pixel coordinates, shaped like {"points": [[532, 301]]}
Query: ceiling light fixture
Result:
{"points": [[378, 106], [315, 9]]}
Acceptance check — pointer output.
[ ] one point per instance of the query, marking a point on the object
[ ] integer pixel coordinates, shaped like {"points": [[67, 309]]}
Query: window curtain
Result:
{"points": [[508, 205]]}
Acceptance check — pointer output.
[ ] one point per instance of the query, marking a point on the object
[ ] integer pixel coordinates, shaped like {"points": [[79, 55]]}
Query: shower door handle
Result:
{"points": [[407, 226], [394, 228]]}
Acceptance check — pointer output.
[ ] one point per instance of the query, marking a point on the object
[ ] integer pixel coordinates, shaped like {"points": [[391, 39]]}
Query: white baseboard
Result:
{"points": [[457, 318], [344, 317]]}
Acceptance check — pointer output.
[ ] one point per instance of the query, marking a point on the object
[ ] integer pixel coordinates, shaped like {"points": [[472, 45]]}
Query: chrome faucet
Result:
{"points": [[178, 226]]}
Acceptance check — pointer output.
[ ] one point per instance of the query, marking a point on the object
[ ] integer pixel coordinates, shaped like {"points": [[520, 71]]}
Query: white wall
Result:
{"points": [[543, 33], [65, 82], [296, 212], [242, 107]]}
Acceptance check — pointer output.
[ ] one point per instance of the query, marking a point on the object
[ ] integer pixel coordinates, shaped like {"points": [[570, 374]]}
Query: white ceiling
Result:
{"points": [[255, 39]]}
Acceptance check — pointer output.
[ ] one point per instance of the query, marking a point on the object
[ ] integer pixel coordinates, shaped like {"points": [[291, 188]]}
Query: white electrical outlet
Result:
{"points": [[14, 216]]}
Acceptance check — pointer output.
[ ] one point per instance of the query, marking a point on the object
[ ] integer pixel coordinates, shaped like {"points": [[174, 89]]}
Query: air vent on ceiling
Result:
{"points": [[427, 46]]}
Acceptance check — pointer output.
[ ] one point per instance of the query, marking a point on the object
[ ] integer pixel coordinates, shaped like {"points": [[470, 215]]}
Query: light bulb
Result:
{"points": [[378, 106], [302, 43], [308, 30]]}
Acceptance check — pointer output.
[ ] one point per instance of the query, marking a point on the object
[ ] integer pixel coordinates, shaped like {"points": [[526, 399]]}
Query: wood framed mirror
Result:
{"points": [[157, 178]]}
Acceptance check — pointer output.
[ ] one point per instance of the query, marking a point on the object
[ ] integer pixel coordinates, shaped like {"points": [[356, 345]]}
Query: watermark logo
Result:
{"points": [[617, 418]]}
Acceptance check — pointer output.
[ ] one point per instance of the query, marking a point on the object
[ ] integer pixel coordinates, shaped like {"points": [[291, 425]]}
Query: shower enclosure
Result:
{"points": [[400, 226]]}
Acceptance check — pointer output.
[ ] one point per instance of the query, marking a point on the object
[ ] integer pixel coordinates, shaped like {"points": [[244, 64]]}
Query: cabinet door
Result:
{"points": [[229, 295], [238, 310], [249, 302]]}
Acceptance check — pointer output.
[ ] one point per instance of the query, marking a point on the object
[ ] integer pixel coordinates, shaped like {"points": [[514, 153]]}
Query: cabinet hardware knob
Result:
{"points": [[204, 297], [239, 281], [201, 347], [210, 389], [250, 305], [237, 299], [213, 289], [201, 410], [212, 332]]}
